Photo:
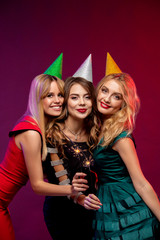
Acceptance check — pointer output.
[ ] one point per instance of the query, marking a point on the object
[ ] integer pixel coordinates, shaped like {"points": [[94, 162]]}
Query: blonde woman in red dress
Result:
{"points": [[27, 149]]}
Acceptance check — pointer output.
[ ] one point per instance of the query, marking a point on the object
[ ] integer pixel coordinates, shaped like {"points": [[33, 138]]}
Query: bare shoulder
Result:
{"points": [[124, 144], [29, 137]]}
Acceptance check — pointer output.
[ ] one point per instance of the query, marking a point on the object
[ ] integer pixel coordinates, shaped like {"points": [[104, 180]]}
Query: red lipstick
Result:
{"points": [[82, 110], [104, 105]]}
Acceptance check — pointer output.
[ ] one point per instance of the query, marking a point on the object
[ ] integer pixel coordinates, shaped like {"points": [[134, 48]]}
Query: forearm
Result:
{"points": [[149, 196], [49, 189]]}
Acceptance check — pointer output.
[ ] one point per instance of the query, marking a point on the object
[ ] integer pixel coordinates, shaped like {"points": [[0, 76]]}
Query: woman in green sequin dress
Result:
{"points": [[130, 207]]}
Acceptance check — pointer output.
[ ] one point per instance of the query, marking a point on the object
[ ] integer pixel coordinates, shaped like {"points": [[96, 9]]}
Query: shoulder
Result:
{"points": [[123, 136], [29, 140], [124, 144], [25, 124], [29, 137], [31, 134]]}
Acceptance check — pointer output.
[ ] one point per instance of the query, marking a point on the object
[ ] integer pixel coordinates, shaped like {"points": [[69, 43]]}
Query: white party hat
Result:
{"points": [[85, 70]]}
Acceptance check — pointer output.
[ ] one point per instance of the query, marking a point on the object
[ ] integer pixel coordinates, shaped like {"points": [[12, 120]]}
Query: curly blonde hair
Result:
{"points": [[91, 123], [124, 119]]}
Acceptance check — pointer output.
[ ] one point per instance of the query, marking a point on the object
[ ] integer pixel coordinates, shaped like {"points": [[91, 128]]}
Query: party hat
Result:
{"points": [[85, 70], [111, 66], [55, 69]]}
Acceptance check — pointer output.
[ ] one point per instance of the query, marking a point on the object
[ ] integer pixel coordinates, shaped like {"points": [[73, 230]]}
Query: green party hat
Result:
{"points": [[55, 69]]}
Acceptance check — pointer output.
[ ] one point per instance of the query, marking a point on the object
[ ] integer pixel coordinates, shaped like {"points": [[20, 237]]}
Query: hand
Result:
{"points": [[92, 202], [79, 183]]}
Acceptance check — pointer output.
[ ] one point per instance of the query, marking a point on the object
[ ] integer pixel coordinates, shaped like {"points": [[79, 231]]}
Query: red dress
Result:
{"points": [[13, 175]]}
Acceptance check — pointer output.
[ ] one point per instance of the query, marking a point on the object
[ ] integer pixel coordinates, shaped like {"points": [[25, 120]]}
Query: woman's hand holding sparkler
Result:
{"points": [[79, 183]]}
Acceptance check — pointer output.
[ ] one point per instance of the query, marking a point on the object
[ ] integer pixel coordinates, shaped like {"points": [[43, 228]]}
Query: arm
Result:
{"points": [[30, 144], [125, 147]]}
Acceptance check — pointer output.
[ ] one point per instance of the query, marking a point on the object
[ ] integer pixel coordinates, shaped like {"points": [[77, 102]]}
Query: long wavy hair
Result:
{"points": [[39, 89], [91, 123], [123, 119]]}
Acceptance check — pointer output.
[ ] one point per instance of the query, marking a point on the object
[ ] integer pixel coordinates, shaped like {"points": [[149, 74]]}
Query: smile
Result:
{"points": [[82, 110], [104, 105], [56, 107]]}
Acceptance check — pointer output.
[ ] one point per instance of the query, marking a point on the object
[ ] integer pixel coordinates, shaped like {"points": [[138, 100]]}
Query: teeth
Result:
{"points": [[104, 105], [56, 107]]}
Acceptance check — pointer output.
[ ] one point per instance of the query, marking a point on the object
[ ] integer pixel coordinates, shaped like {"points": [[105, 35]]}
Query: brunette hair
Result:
{"points": [[91, 122]]}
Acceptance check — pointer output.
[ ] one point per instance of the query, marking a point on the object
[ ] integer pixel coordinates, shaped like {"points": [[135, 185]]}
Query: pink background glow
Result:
{"points": [[34, 33]]}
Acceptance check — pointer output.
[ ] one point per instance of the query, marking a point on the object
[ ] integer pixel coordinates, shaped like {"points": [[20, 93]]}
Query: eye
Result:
{"points": [[88, 97], [117, 97], [104, 90], [74, 97], [50, 95], [60, 95]]}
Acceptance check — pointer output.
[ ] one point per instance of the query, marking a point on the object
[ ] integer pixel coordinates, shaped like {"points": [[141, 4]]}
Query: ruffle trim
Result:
{"points": [[123, 222], [145, 231], [114, 218], [122, 205]]}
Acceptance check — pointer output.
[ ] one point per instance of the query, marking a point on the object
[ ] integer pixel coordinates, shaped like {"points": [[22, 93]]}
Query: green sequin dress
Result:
{"points": [[124, 215]]}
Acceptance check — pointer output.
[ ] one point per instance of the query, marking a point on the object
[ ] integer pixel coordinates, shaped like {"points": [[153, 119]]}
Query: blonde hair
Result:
{"points": [[39, 89], [124, 119]]}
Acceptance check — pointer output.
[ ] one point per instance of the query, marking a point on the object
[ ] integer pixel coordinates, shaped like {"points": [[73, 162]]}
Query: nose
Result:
{"points": [[81, 101], [107, 99], [56, 99]]}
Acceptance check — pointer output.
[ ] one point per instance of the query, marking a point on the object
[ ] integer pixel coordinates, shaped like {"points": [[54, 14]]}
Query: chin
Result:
{"points": [[55, 114]]}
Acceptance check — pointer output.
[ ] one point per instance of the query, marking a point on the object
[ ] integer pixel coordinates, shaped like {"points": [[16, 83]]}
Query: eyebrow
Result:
{"points": [[78, 94], [118, 93], [114, 92]]}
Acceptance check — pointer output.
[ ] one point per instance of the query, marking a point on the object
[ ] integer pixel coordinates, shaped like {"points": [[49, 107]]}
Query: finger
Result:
{"points": [[79, 181], [91, 206], [78, 175], [94, 200], [94, 197], [80, 188]]}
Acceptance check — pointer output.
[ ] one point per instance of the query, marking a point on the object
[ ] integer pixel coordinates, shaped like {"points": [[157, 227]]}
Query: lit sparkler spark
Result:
{"points": [[77, 150]]}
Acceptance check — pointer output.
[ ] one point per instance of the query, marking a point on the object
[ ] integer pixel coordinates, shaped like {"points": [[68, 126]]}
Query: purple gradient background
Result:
{"points": [[35, 32]]}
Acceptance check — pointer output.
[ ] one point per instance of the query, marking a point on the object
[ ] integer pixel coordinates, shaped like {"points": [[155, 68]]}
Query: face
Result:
{"points": [[110, 98], [52, 103], [79, 102]]}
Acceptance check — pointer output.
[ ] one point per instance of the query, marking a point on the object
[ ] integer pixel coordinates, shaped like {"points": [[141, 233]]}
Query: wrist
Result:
{"points": [[80, 199]]}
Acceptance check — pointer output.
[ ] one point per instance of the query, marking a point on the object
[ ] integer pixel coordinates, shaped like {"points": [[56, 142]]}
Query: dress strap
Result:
{"points": [[56, 162], [52, 150], [60, 172]]}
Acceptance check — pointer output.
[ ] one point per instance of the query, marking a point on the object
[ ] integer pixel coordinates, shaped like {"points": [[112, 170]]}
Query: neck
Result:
{"points": [[74, 129], [74, 124]]}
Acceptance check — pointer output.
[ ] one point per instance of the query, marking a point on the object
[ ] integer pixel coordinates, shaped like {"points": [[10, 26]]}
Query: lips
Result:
{"points": [[104, 105], [82, 110]]}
